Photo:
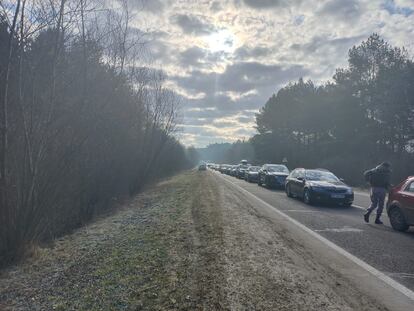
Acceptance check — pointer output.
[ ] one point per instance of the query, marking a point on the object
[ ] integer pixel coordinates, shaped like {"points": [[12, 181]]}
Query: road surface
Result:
{"points": [[388, 251]]}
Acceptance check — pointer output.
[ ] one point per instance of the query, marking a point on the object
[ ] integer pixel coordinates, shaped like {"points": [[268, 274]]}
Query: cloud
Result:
{"points": [[192, 56], [154, 6], [344, 10], [265, 4], [245, 52], [240, 77], [319, 43], [405, 3], [403, 7], [207, 113], [218, 114], [159, 50], [192, 25], [216, 6]]}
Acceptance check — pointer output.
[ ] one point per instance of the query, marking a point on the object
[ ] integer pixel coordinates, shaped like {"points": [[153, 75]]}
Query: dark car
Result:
{"points": [[318, 185], [273, 175], [233, 170], [400, 205], [252, 174], [228, 169], [241, 170], [202, 167]]}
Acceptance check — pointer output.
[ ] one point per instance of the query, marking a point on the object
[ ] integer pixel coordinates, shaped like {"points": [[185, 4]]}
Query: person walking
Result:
{"points": [[379, 179]]}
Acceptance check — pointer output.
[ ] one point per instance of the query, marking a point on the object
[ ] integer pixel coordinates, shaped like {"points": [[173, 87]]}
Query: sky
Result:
{"points": [[226, 58]]}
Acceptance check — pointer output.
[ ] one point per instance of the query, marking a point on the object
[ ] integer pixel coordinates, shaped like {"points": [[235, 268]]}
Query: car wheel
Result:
{"points": [[307, 197], [289, 191], [397, 219], [266, 182]]}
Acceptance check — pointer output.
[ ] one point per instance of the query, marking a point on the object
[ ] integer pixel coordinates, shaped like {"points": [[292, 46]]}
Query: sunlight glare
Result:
{"points": [[221, 41]]}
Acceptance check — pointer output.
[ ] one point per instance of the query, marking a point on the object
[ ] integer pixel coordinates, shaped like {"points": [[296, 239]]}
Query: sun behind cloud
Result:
{"points": [[222, 40]]}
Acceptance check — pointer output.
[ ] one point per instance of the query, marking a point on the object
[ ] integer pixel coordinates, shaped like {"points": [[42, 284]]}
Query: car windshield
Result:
{"points": [[277, 169], [320, 176], [254, 168], [244, 167]]}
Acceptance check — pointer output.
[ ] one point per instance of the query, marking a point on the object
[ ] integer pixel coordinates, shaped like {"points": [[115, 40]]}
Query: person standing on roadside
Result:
{"points": [[379, 179]]}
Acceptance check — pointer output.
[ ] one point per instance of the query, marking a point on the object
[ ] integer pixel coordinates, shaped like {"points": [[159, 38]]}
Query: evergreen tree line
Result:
{"points": [[364, 116], [360, 118], [81, 122]]}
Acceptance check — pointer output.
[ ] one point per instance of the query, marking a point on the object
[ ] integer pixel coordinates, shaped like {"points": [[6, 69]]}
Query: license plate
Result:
{"points": [[338, 196]]}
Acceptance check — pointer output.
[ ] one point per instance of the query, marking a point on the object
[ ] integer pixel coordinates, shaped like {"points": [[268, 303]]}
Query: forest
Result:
{"points": [[363, 116], [83, 122]]}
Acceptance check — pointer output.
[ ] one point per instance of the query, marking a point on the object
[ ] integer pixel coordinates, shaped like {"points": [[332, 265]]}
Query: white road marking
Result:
{"points": [[384, 214], [301, 211], [344, 229], [383, 277], [360, 207], [365, 194], [402, 275]]}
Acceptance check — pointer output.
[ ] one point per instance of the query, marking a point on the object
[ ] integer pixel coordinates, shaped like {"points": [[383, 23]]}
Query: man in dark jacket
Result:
{"points": [[380, 180]]}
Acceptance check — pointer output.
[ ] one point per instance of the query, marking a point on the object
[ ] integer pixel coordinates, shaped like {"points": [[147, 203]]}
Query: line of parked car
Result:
{"points": [[311, 185], [322, 186]]}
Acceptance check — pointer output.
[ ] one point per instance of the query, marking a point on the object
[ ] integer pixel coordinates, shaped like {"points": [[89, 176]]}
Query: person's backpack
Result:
{"points": [[378, 177], [367, 175]]}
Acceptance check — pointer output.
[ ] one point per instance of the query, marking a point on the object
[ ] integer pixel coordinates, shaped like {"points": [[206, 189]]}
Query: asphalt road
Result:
{"points": [[380, 246]]}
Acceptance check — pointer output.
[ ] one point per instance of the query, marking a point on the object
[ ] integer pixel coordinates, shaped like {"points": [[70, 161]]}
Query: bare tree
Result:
{"points": [[86, 120], [4, 124]]}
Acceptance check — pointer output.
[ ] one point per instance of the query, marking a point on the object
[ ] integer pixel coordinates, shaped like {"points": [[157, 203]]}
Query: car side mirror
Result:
{"points": [[300, 178], [341, 179]]}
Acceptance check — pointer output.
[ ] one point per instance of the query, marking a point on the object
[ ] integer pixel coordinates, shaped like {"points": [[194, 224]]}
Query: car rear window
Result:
{"points": [[320, 176], [277, 169]]}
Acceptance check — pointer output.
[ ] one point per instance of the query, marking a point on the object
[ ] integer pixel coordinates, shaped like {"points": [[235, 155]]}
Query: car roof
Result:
{"points": [[408, 179], [312, 169], [318, 170]]}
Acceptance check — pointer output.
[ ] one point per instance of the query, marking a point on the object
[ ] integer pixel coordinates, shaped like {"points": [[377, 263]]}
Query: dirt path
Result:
{"points": [[189, 243]]}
